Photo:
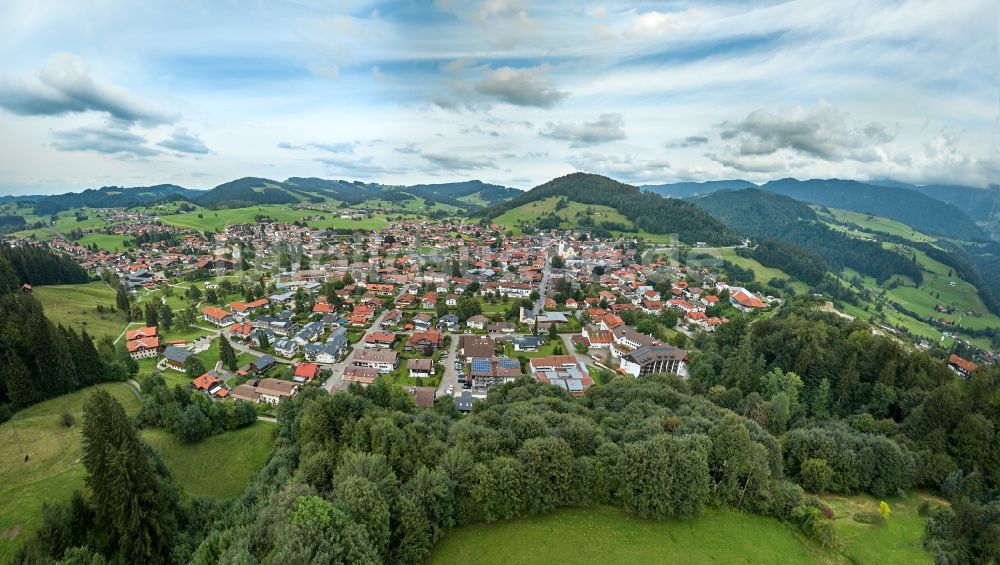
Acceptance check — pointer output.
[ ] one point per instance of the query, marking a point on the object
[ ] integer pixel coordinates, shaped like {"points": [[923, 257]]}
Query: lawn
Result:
{"points": [[897, 540], [218, 466], [608, 536], [75, 306], [53, 470]]}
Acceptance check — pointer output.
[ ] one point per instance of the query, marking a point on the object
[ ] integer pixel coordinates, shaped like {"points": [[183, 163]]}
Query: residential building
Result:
{"points": [[658, 358], [217, 316], [382, 360]]}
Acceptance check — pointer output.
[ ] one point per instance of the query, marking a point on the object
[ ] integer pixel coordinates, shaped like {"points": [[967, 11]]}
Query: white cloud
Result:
{"points": [[521, 87], [607, 128], [113, 138], [64, 85]]}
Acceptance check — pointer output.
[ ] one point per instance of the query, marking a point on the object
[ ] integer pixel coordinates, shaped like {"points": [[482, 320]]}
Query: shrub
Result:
{"points": [[67, 419], [867, 517]]}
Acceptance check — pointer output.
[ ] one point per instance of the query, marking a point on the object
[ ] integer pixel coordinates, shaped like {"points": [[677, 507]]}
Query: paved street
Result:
{"points": [[450, 376], [336, 379]]}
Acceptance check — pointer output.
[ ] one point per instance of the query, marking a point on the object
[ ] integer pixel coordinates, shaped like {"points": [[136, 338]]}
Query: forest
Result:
{"points": [[38, 266], [802, 400], [39, 360], [787, 236], [648, 211]]}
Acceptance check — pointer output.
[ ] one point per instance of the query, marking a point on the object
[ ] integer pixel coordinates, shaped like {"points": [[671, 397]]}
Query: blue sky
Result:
{"points": [[508, 91]]}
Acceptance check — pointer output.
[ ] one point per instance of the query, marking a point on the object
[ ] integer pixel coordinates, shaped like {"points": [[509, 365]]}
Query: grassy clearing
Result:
{"points": [[215, 220], [218, 466], [608, 536], [109, 242], [531, 212], [761, 274], [53, 470], [878, 224], [897, 540], [75, 306]]}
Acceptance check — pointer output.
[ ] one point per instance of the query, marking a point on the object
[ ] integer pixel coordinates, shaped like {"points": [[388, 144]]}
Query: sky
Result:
{"points": [[514, 92]]}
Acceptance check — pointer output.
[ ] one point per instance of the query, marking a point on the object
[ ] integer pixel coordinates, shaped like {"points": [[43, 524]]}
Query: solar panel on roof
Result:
{"points": [[508, 362], [481, 365], [574, 385]]}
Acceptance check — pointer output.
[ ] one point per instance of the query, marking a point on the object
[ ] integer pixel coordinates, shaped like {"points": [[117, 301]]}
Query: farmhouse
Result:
{"points": [[961, 366], [176, 357], [217, 316], [142, 343]]}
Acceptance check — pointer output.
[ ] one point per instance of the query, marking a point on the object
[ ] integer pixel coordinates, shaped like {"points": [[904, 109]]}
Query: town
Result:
{"points": [[441, 308]]}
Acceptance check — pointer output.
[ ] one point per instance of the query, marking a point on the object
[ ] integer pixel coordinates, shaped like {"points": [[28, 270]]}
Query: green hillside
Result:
{"points": [[647, 211]]}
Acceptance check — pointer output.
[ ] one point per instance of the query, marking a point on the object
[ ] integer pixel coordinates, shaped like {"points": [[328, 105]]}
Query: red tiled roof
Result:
{"points": [[307, 370], [965, 365], [213, 312]]}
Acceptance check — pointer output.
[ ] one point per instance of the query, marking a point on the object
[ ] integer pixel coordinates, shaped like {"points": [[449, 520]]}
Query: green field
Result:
{"points": [[897, 540], [216, 220], [608, 536], [531, 212], [108, 242], [218, 466], [761, 274], [876, 224], [75, 306], [53, 470]]}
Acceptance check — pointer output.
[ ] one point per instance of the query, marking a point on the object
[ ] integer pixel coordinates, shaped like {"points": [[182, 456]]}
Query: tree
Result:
{"points": [[166, 316], [152, 312], [815, 475], [365, 503], [133, 504], [193, 367], [546, 464], [226, 353], [192, 425]]}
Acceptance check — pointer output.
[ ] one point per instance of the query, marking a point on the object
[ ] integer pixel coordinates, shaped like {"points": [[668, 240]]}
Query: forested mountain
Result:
{"points": [[112, 197], [688, 189], [463, 193], [755, 212], [39, 266], [981, 204], [246, 191], [345, 191], [912, 208], [646, 210]]}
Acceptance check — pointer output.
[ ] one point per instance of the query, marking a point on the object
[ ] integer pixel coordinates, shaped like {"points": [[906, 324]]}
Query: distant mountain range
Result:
{"points": [[948, 211], [252, 191]]}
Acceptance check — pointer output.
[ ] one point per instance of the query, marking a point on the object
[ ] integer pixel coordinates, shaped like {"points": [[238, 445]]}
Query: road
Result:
{"points": [[336, 379], [450, 377]]}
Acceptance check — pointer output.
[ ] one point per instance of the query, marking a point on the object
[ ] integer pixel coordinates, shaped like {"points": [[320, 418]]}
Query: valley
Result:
{"points": [[789, 326]]}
